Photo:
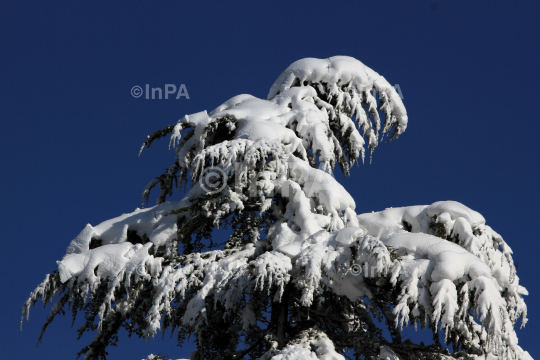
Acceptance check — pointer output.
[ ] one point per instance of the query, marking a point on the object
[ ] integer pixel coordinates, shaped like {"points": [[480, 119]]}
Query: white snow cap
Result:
{"points": [[340, 70]]}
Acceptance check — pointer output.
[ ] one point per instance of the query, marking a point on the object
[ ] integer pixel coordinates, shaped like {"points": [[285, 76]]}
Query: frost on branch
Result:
{"points": [[301, 276]]}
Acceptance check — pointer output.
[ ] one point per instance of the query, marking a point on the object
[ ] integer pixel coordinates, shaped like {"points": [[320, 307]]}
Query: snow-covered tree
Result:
{"points": [[302, 276]]}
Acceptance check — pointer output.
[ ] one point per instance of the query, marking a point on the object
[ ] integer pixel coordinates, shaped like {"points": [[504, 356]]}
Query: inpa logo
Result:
{"points": [[159, 93]]}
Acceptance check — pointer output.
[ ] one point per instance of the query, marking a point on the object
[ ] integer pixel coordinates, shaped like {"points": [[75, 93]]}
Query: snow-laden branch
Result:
{"points": [[315, 109]]}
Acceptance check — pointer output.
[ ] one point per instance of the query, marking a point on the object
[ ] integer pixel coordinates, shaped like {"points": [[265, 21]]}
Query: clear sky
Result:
{"points": [[71, 130]]}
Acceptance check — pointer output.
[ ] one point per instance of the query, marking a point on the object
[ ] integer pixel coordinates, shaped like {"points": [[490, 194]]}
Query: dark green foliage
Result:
{"points": [[437, 228], [156, 135]]}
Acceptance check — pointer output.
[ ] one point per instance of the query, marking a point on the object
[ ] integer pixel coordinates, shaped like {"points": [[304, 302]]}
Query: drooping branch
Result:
{"points": [[155, 136]]}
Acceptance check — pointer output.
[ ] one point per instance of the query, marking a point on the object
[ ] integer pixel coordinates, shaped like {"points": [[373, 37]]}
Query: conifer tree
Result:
{"points": [[301, 276]]}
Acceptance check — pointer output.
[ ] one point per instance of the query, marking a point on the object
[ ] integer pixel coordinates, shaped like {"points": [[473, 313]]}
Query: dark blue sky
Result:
{"points": [[71, 129]]}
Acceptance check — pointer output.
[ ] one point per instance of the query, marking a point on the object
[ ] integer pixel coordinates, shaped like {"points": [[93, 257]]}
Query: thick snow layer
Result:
{"points": [[391, 220], [450, 261], [417, 217], [106, 262], [310, 344], [318, 184], [114, 231], [455, 210], [291, 118], [340, 70], [324, 259], [455, 222], [447, 266]]}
